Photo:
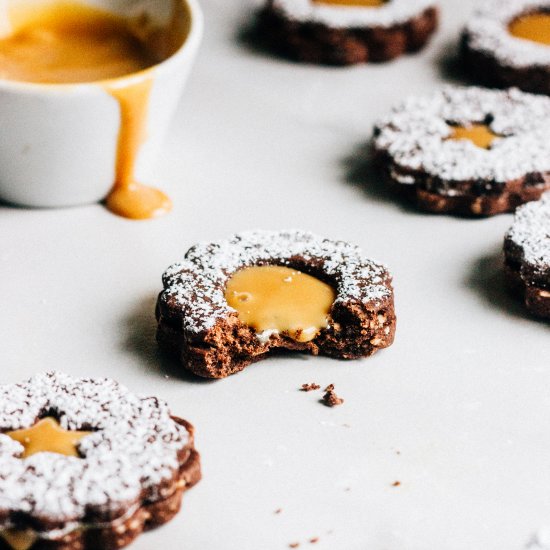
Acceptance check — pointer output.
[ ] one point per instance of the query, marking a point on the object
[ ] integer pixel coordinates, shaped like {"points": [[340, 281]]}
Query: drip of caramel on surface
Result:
{"points": [[534, 27], [479, 134], [128, 198], [354, 3], [47, 436], [19, 540], [280, 299]]}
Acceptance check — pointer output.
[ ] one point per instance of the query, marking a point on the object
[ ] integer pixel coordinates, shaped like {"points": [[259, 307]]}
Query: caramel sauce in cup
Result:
{"points": [[66, 42]]}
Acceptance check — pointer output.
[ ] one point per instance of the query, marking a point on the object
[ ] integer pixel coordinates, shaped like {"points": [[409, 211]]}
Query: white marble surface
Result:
{"points": [[462, 396]]}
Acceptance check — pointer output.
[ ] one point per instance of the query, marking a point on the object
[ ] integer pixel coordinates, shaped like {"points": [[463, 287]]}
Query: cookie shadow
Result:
{"points": [[450, 64], [487, 279], [249, 37], [361, 173], [139, 339]]}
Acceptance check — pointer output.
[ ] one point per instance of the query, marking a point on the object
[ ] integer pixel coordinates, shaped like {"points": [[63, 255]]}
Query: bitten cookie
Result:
{"points": [[230, 303], [344, 32], [527, 251], [507, 43], [468, 151], [86, 464]]}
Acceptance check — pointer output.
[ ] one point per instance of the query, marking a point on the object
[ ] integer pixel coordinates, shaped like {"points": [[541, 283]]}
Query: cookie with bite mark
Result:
{"points": [[467, 150], [346, 32], [233, 302], [527, 251], [507, 43], [85, 464]]}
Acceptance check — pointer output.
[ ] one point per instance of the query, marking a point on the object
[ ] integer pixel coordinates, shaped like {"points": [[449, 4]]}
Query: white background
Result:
{"points": [[462, 396]]}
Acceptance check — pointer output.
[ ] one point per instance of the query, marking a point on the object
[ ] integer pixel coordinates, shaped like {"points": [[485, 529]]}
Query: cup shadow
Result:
{"points": [[361, 173], [139, 329], [486, 278]]}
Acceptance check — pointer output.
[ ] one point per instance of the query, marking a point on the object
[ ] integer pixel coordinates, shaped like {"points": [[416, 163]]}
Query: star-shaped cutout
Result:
{"points": [[479, 134], [47, 436]]}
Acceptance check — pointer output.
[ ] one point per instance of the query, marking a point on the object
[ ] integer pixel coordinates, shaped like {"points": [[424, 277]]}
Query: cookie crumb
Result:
{"points": [[314, 540], [396, 484], [310, 387], [294, 545], [278, 511], [330, 387], [330, 399]]}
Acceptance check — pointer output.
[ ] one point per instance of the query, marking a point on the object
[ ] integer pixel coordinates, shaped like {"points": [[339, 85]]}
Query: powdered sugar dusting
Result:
{"points": [[487, 32], [531, 233], [415, 135], [394, 12], [197, 285], [133, 449]]}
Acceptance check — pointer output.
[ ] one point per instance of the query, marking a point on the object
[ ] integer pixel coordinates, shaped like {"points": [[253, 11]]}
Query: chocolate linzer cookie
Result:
{"points": [[507, 43], [344, 32], [469, 151], [86, 464], [527, 250], [232, 302]]}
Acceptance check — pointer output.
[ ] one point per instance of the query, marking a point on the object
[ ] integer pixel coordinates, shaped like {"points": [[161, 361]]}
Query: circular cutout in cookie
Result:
{"points": [[279, 299], [533, 26]]}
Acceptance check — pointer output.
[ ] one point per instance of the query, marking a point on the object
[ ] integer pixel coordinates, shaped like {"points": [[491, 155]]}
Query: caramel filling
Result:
{"points": [[47, 436], [70, 43], [280, 299], [354, 3], [19, 540], [64, 42], [534, 27], [479, 134]]}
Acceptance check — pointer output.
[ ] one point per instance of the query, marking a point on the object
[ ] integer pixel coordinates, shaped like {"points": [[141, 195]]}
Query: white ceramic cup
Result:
{"points": [[58, 142]]}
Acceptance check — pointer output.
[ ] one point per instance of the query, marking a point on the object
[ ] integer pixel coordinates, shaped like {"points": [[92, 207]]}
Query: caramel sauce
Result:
{"points": [[534, 27], [47, 436], [479, 134], [354, 3], [280, 299], [129, 198], [19, 540], [66, 43]]}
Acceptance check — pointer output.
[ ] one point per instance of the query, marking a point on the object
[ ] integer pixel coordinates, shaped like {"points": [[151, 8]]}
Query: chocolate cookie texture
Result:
{"points": [[469, 151], [344, 32], [527, 250], [507, 43], [131, 465], [196, 323]]}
